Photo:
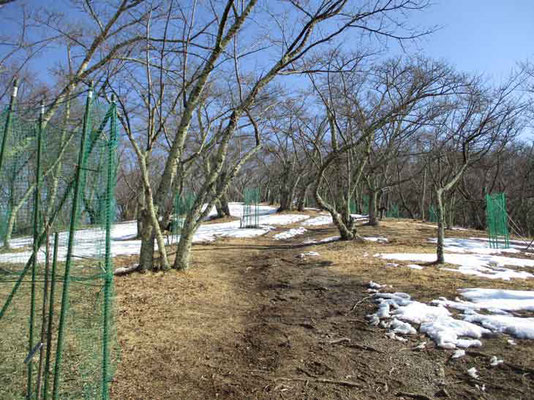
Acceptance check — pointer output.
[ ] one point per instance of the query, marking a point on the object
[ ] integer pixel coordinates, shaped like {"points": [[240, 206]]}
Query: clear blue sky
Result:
{"points": [[479, 36]]}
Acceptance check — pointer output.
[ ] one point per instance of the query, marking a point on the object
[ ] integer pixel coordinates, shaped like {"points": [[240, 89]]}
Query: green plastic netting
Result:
{"points": [[251, 216], [393, 211], [497, 221], [56, 316]]}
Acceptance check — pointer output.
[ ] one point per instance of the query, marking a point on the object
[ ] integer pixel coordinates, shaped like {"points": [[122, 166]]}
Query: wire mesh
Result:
{"points": [[352, 206], [393, 211], [183, 204], [250, 217], [29, 347], [497, 221], [432, 214]]}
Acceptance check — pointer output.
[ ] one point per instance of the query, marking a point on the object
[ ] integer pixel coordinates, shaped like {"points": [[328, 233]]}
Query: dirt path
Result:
{"points": [[253, 320]]}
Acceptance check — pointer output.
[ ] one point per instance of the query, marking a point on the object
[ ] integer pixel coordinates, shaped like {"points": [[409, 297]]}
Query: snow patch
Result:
{"points": [[458, 354], [290, 233], [378, 239], [400, 314], [482, 265], [308, 254], [318, 221], [124, 242], [494, 361], [521, 328], [473, 373]]}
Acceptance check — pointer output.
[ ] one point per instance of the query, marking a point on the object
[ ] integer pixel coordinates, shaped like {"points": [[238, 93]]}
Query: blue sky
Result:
{"points": [[479, 36]]}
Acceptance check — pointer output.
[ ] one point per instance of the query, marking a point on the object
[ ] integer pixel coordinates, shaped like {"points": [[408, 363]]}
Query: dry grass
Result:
{"points": [[405, 236], [252, 320]]}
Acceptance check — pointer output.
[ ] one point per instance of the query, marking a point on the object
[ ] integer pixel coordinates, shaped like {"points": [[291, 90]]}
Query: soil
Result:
{"points": [[254, 320]]}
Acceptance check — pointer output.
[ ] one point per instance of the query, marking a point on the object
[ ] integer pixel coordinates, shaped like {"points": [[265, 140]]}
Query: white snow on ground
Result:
{"points": [[124, 242], [326, 219], [473, 373], [308, 254], [290, 233], [458, 353], [379, 239], [483, 265], [494, 300], [414, 266], [236, 210], [494, 361], [400, 314], [325, 240], [473, 245], [317, 221], [521, 328]]}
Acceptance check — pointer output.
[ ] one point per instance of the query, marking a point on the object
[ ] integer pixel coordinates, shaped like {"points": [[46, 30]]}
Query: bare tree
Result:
{"points": [[473, 121], [364, 106]]}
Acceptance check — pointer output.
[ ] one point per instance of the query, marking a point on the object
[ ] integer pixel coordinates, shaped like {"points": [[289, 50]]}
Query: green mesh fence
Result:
{"points": [[56, 290], [183, 204], [365, 205], [393, 211], [497, 221], [432, 214], [352, 206], [251, 216]]}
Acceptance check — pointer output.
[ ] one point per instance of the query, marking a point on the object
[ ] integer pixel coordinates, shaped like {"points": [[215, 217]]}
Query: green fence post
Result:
{"points": [[50, 317], [70, 245], [108, 283], [9, 117], [36, 246]]}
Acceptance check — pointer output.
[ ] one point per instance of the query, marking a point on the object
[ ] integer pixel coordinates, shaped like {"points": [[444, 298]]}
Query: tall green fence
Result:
{"points": [[497, 221], [393, 211], [365, 205], [432, 214], [57, 336], [182, 205], [251, 216]]}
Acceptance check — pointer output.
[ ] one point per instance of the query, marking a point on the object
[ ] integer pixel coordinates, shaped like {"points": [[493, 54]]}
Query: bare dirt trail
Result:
{"points": [[253, 320]]}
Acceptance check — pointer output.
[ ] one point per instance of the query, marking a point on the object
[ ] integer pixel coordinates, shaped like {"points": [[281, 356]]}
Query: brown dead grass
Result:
{"points": [[252, 320]]}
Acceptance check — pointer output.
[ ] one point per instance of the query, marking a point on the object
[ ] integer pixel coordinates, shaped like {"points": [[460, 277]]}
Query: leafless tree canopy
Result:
{"points": [[295, 97]]}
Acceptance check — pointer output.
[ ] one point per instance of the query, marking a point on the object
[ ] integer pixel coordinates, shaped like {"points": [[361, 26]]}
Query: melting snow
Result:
{"points": [[308, 254], [485, 266], [379, 239], [474, 257], [124, 242], [458, 353], [317, 221], [290, 233], [326, 219], [521, 328], [494, 300], [399, 313], [473, 373], [494, 361], [473, 245]]}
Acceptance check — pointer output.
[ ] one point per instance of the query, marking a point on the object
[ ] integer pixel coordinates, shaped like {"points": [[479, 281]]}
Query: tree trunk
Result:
{"points": [[146, 257], [441, 227], [373, 200], [222, 207], [223, 210], [286, 199], [423, 196], [301, 201], [183, 250]]}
